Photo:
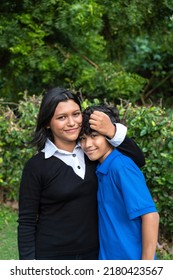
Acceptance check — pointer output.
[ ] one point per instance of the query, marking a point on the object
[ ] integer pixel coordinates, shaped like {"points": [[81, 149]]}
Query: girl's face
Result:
{"points": [[66, 124]]}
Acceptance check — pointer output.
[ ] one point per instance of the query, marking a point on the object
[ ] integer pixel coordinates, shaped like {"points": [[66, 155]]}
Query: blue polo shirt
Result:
{"points": [[123, 197]]}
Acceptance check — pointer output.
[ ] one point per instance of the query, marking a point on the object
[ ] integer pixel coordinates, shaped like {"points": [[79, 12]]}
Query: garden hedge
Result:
{"points": [[151, 127]]}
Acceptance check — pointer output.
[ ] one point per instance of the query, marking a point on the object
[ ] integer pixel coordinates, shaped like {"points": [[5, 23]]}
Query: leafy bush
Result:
{"points": [[8, 232], [151, 127], [16, 128], [88, 45]]}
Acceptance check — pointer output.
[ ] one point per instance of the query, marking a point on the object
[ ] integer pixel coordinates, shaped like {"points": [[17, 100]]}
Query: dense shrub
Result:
{"points": [[16, 127], [151, 127], [118, 48]]}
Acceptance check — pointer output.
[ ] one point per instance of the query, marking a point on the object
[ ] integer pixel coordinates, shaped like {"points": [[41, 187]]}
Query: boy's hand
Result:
{"points": [[100, 122]]}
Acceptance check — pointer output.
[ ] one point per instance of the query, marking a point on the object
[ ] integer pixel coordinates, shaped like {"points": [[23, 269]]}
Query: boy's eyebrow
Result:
{"points": [[94, 131]]}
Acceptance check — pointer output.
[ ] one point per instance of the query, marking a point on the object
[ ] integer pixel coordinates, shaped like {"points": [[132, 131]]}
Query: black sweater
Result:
{"points": [[57, 209]]}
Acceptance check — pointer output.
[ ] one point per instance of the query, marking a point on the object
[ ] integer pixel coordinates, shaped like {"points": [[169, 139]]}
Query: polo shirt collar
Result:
{"points": [[105, 165], [50, 149]]}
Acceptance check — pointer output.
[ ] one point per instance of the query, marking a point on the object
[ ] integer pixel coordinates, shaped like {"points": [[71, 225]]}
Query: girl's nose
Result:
{"points": [[71, 121]]}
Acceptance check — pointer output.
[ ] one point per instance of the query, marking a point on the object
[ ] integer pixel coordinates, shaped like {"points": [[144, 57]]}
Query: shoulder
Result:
{"points": [[34, 160], [120, 158], [35, 165], [120, 161], [41, 165]]}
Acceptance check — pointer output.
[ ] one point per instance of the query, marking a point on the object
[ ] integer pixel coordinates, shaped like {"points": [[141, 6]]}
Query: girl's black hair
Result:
{"points": [[47, 108]]}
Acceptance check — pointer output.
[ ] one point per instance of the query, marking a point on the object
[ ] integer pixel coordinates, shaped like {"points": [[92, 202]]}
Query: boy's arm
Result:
{"points": [[116, 135], [150, 226]]}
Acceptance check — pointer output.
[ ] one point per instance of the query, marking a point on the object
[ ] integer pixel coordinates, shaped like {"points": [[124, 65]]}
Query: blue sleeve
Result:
{"points": [[131, 183]]}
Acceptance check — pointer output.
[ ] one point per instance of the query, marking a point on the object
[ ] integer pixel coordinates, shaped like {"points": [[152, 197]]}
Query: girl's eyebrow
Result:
{"points": [[65, 113]]}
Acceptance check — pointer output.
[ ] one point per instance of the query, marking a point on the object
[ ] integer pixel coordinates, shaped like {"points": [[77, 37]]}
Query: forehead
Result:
{"points": [[66, 106], [92, 133]]}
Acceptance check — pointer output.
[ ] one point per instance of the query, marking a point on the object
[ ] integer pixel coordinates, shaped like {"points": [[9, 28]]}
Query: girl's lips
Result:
{"points": [[72, 130]]}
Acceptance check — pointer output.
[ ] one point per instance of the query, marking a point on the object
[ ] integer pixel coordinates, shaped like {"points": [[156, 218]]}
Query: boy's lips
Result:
{"points": [[89, 152]]}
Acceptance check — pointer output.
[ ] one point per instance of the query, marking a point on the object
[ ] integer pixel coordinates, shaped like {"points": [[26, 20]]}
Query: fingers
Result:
{"points": [[94, 126], [97, 116], [96, 120], [101, 122]]}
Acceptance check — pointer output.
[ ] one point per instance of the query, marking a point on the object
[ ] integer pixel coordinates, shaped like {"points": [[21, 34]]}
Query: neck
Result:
{"points": [[106, 154]]}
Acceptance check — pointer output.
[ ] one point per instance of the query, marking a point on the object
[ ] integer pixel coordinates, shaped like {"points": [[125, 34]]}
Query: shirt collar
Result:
{"points": [[105, 165], [50, 149]]}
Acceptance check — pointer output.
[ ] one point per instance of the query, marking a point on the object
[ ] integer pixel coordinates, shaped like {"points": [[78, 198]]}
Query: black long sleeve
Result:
{"points": [[129, 148], [57, 209]]}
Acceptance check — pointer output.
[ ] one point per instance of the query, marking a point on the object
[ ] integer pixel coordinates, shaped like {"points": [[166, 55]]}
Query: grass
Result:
{"points": [[8, 236]]}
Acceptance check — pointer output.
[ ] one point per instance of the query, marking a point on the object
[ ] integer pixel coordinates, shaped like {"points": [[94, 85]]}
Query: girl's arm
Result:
{"points": [[29, 197], [116, 135], [129, 148]]}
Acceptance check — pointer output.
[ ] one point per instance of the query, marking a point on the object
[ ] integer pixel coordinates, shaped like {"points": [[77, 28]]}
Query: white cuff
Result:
{"points": [[121, 131]]}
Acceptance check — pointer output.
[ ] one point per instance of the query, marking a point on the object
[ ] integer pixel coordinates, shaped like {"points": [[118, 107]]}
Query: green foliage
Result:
{"points": [[8, 232], [152, 128], [164, 255], [111, 82], [111, 49], [16, 131]]}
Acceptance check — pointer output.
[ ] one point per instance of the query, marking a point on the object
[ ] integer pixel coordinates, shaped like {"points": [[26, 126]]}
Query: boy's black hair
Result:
{"points": [[110, 111]]}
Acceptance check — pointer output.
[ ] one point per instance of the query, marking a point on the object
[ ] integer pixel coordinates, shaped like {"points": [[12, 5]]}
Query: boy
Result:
{"points": [[128, 218]]}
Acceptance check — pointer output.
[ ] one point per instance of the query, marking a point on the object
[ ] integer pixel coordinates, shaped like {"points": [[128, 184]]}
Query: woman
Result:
{"points": [[57, 198]]}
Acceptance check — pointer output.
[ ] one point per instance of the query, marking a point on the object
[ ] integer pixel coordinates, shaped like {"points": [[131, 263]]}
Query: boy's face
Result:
{"points": [[95, 146]]}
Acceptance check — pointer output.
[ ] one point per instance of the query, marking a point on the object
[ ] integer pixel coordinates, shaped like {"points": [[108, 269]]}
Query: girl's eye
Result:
{"points": [[77, 114], [61, 118]]}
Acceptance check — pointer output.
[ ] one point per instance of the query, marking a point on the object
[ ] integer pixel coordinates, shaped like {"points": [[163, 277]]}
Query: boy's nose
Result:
{"points": [[88, 142]]}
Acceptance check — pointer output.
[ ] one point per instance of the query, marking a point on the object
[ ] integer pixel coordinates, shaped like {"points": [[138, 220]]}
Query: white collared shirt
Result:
{"points": [[75, 159]]}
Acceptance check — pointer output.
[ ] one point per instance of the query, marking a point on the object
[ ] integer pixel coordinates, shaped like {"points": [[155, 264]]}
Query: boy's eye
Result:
{"points": [[93, 135], [82, 138]]}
